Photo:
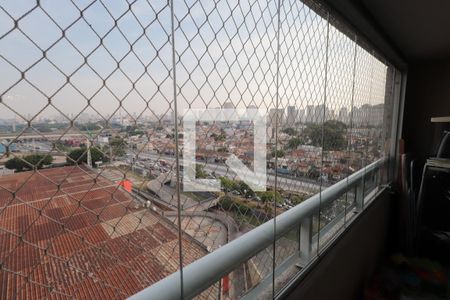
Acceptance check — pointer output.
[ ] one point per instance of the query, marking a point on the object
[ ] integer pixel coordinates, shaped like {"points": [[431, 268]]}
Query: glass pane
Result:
{"points": [[96, 128]]}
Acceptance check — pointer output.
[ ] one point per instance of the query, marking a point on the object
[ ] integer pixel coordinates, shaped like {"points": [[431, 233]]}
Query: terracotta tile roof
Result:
{"points": [[67, 233]]}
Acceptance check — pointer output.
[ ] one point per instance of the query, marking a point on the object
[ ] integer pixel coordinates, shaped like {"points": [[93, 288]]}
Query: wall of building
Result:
{"points": [[427, 96], [348, 266]]}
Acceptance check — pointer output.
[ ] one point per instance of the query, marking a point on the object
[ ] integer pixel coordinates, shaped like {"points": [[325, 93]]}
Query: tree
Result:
{"points": [[294, 142], [28, 162], [268, 197], [80, 155], [88, 126], [226, 203], [200, 171], [227, 184], [245, 190], [39, 160], [133, 130], [278, 153], [333, 135], [229, 204], [118, 146], [291, 131], [296, 199], [14, 164]]}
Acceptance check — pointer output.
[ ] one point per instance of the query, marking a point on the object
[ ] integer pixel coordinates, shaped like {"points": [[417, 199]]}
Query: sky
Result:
{"points": [[117, 56]]}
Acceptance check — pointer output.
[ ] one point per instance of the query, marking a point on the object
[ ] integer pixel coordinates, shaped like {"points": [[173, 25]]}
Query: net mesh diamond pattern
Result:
{"points": [[90, 202]]}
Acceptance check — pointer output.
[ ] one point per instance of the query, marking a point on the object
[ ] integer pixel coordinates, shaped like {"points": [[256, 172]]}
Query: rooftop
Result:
{"points": [[86, 239]]}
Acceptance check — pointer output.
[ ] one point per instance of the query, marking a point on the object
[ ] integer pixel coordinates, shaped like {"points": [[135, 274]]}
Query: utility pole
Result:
{"points": [[89, 156], [88, 144]]}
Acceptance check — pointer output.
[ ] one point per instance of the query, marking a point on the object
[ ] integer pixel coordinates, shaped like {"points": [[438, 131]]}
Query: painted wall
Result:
{"points": [[427, 96]]}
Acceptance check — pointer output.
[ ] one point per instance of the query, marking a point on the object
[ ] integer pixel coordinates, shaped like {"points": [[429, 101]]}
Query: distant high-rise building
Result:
{"points": [[319, 112], [301, 115], [291, 116], [275, 114], [357, 116], [368, 115], [343, 115], [376, 115], [310, 114]]}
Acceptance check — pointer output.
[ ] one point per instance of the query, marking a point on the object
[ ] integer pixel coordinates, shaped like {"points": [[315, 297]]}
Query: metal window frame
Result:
{"points": [[295, 281]]}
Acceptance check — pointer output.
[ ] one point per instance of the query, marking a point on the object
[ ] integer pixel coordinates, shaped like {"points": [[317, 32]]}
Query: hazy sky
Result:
{"points": [[226, 51]]}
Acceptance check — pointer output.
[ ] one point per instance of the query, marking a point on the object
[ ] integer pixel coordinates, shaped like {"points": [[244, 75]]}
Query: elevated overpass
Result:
{"points": [[53, 136]]}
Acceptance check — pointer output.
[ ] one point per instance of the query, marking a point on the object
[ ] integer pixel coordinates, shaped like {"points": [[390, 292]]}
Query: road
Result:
{"points": [[54, 135], [294, 184], [242, 277], [35, 147], [168, 194]]}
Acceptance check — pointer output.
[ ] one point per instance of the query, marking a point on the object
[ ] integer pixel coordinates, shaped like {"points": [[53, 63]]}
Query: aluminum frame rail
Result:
{"points": [[209, 269]]}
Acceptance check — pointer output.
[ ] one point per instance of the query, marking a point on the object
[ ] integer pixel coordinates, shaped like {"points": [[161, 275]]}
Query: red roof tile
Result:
{"points": [[85, 240]]}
